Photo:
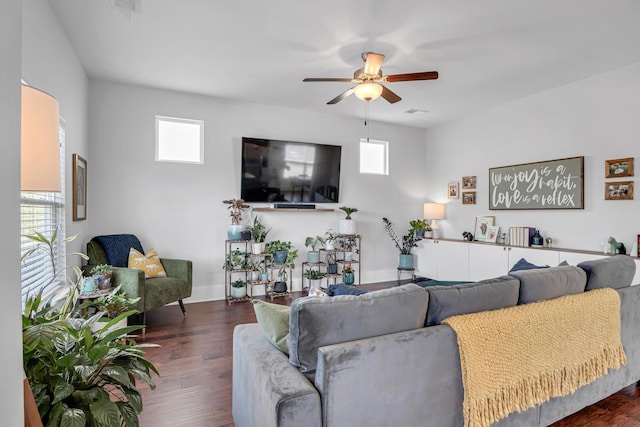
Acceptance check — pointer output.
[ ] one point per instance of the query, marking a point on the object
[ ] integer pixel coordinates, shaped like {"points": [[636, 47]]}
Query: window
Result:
{"points": [[43, 212], [374, 157], [179, 140]]}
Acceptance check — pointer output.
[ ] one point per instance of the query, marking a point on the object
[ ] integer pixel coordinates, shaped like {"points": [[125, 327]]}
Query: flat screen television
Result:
{"points": [[289, 171]]}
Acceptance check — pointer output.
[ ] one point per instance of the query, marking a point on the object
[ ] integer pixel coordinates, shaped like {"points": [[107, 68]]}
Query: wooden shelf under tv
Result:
{"points": [[293, 210]]}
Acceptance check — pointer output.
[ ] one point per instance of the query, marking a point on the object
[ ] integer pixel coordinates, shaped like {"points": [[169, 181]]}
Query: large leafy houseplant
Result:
{"points": [[404, 244], [81, 377]]}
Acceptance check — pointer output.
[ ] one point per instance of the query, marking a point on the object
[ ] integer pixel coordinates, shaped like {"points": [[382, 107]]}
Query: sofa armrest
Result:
{"points": [[131, 282], [178, 269], [267, 389]]}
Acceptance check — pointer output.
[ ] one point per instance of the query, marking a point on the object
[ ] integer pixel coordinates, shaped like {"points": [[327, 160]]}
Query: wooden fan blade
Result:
{"points": [[340, 97], [427, 75], [373, 63], [329, 79], [390, 96]]}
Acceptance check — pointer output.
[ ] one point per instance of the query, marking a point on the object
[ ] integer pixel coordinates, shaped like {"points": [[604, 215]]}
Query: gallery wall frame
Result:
{"points": [[79, 188], [468, 182], [618, 190], [618, 168], [468, 197], [482, 226], [550, 184], [452, 191]]}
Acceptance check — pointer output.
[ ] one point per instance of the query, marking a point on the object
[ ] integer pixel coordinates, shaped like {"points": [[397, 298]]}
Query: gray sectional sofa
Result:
{"points": [[384, 359]]}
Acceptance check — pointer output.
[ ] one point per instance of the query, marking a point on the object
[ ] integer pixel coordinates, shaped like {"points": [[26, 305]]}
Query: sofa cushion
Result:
{"points": [[523, 264], [318, 321], [548, 283], [274, 322], [616, 272], [490, 294], [338, 289], [149, 263]]}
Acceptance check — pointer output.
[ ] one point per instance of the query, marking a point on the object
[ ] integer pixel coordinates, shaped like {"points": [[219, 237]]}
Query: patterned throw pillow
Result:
{"points": [[149, 263]]}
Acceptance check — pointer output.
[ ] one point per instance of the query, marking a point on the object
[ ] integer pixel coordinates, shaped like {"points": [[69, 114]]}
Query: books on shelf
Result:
{"points": [[521, 236]]}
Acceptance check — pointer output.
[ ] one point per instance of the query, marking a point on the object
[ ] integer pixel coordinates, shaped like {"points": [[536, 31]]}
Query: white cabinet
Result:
{"points": [[442, 260], [535, 256], [487, 261]]}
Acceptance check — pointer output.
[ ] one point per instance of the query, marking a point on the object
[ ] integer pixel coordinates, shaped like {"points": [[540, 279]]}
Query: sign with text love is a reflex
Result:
{"points": [[553, 184]]}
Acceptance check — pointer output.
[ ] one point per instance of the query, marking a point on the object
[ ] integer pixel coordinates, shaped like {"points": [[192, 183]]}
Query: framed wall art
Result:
{"points": [[620, 190], [492, 234], [618, 168], [468, 182], [453, 190], [468, 197], [79, 188], [482, 227], [551, 184]]}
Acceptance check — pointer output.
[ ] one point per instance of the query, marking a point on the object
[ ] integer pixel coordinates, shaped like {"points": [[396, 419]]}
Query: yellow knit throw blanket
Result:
{"points": [[515, 358]]}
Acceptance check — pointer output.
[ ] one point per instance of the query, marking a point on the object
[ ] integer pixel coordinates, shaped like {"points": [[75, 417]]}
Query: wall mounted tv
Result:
{"points": [[289, 171]]}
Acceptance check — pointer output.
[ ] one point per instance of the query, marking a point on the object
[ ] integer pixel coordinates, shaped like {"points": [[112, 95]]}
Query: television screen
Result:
{"points": [[289, 171]]}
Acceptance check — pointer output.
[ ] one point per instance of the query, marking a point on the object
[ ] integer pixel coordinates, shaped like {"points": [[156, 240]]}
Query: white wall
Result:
{"points": [[11, 331], [49, 63], [596, 117], [177, 208]]}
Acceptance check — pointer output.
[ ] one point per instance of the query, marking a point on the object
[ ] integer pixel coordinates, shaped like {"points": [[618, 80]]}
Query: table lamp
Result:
{"points": [[433, 212]]}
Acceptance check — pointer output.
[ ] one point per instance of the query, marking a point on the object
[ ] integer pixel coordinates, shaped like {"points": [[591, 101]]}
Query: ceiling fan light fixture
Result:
{"points": [[368, 91]]}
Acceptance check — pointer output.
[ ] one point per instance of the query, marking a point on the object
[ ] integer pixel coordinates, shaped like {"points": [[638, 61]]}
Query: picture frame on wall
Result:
{"points": [[453, 192], [618, 190], [482, 227], [79, 188], [618, 168], [468, 197], [468, 182], [492, 234]]}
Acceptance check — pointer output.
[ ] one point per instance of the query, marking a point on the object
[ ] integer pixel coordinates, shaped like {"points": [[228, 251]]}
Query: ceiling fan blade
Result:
{"points": [[329, 79], [390, 96], [373, 62], [427, 75], [340, 97]]}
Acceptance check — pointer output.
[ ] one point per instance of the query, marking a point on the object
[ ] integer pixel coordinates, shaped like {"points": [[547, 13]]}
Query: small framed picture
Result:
{"points": [[79, 188], [468, 197], [621, 190], [618, 168], [482, 227], [468, 182], [453, 190], [492, 233]]}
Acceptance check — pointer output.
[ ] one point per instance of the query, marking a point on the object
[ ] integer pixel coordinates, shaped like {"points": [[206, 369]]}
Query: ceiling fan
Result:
{"points": [[370, 79]]}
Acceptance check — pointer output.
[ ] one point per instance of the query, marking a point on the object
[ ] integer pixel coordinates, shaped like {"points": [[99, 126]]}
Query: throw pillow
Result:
{"points": [[523, 264], [149, 263], [338, 289], [274, 322]]}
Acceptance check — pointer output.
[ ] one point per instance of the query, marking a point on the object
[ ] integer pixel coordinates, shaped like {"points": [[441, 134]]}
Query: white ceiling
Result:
{"points": [[488, 52]]}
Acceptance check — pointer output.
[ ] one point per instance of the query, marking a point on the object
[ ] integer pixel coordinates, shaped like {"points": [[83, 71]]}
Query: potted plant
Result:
{"points": [[112, 305], [328, 239], [313, 256], [239, 289], [102, 275], [254, 270], [332, 265], [235, 260], [348, 276], [282, 252], [280, 285], [418, 226], [237, 207], [259, 233], [347, 225], [314, 277], [348, 244], [404, 245]]}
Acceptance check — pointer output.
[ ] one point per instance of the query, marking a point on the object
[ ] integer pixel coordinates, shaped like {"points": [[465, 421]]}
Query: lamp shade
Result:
{"points": [[368, 91], [433, 211], [40, 141]]}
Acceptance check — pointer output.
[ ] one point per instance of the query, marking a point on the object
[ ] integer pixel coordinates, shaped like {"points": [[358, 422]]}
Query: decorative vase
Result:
{"points": [[348, 256], [420, 234], [240, 292], [348, 277], [254, 275], [103, 280], [264, 277], [537, 240], [245, 235], [332, 268], [405, 262], [347, 226], [258, 248], [313, 257], [314, 288], [428, 234], [233, 231], [280, 287], [89, 286], [280, 257]]}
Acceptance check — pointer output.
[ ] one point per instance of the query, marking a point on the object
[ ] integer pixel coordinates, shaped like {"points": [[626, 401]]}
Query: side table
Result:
{"points": [[412, 271]]}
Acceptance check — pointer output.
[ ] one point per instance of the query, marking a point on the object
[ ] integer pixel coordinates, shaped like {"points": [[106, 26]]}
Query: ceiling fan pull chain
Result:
{"points": [[366, 118]]}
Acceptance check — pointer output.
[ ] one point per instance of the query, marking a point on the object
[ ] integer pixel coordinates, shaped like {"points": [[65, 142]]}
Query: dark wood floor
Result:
{"points": [[194, 386]]}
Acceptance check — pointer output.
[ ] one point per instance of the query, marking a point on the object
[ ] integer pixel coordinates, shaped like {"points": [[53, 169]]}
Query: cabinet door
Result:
{"points": [[453, 260], [487, 261], [426, 259], [533, 255]]}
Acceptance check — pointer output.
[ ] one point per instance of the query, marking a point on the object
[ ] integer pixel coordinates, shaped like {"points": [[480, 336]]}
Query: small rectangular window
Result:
{"points": [[179, 140], [374, 157]]}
